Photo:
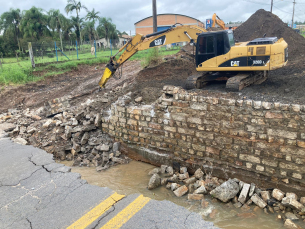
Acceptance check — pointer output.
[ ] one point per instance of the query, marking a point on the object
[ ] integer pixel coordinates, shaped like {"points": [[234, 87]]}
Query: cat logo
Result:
{"points": [[235, 63], [158, 42]]}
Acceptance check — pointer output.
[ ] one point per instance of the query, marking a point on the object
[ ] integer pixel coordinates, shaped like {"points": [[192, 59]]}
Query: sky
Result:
{"points": [[125, 13]]}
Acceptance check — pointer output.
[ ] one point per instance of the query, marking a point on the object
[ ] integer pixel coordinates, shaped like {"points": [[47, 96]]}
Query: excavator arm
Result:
{"points": [[218, 21], [139, 42]]}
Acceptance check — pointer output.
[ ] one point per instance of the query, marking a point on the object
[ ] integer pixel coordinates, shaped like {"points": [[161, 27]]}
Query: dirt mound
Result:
{"points": [[150, 81], [263, 22]]}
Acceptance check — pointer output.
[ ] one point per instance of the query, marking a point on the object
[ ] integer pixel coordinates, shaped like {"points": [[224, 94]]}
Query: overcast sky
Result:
{"points": [[125, 13]]}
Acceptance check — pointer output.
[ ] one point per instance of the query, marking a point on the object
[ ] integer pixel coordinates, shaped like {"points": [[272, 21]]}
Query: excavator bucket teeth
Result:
{"points": [[107, 74]]}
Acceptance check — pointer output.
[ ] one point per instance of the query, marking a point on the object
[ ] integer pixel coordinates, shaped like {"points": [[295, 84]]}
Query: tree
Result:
{"points": [[77, 6], [89, 30], [92, 15], [11, 21], [106, 29], [57, 21], [34, 23], [77, 24]]}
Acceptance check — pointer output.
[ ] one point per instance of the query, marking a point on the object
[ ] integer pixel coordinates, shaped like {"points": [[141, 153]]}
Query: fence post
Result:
{"points": [[31, 54], [56, 51], [76, 50], [110, 47], [95, 47]]}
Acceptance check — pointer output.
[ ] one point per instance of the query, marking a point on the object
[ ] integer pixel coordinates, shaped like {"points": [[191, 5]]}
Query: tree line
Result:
{"points": [[19, 27]]}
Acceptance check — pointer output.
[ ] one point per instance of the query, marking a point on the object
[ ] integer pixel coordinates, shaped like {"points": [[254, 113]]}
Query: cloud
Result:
{"points": [[125, 13]]}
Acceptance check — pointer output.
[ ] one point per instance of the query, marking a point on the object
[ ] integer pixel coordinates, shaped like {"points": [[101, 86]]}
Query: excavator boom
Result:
{"points": [[218, 21], [139, 42]]}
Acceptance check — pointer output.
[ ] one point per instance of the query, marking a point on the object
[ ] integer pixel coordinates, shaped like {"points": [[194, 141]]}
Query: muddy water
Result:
{"points": [[133, 178]]}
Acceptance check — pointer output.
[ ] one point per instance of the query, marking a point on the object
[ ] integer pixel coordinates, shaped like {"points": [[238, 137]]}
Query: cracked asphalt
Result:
{"points": [[36, 193]]}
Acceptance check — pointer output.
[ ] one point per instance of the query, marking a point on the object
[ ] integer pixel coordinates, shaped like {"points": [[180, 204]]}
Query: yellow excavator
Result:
{"points": [[218, 21], [218, 57]]}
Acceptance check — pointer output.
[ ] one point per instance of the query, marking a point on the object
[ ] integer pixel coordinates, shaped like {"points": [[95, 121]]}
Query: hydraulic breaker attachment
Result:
{"points": [[109, 71]]}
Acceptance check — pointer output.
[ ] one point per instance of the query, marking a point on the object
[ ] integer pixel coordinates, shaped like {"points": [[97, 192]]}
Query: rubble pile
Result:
{"points": [[237, 194], [74, 134]]}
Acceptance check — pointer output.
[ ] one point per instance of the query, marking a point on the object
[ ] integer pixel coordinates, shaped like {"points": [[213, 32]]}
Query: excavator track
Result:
{"points": [[235, 81], [242, 80]]}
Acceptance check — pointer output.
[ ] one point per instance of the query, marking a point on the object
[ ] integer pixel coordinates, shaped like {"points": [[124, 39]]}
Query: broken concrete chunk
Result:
{"points": [[181, 191], [201, 190], [20, 141], [98, 120], [292, 203], [258, 201], [184, 176], [244, 193], [291, 225], [292, 196], [154, 171], [85, 138], [252, 188], [174, 186], [265, 195], [138, 100], [195, 196], [291, 216], [173, 179], [164, 181], [170, 170], [103, 147], [154, 182], [163, 168], [226, 191], [183, 170], [116, 146], [198, 173], [47, 123], [190, 180], [278, 194]]}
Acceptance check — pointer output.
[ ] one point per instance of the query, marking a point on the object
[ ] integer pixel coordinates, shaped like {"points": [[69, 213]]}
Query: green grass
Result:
{"points": [[22, 72]]}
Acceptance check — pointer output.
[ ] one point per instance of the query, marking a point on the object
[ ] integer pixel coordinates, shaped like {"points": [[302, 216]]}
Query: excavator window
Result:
{"points": [[206, 45], [212, 44]]}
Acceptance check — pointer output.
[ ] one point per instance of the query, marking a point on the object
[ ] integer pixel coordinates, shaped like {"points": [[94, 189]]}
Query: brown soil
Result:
{"points": [[80, 84], [263, 22]]}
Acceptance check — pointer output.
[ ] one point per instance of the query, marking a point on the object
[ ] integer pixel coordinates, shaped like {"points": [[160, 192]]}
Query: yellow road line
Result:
{"points": [[127, 213], [96, 212]]}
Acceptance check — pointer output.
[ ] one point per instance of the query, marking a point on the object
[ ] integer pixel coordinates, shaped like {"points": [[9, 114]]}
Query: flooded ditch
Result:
{"points": [[133, 178]]}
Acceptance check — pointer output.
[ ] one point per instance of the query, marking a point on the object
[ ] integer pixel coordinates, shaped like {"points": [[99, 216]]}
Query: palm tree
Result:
{"points": [[106, 29], [92, 15], [89, 30], [57, 21], [11, 21], [77, 24], [77, 6], [34, 23]]}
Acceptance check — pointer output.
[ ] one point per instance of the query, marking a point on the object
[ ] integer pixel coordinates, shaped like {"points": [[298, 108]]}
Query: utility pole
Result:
{"points": [[292, 14], [154, 9], [271, 5]]}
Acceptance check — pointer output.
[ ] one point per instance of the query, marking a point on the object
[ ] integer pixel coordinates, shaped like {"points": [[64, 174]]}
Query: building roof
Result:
{"points": [[167, 14]]}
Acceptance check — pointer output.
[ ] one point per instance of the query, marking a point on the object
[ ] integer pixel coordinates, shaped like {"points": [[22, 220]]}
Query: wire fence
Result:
{"points": [[57, 51]]}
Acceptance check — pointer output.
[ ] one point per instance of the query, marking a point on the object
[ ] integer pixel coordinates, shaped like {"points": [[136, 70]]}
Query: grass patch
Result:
{"points": [[22, 72]]}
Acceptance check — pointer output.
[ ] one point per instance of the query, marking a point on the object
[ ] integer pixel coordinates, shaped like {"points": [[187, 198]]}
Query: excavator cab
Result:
{"points": [[212, 44]]}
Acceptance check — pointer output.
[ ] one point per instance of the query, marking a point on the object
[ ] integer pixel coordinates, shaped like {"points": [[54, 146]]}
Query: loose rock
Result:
{"points": [[226, 191], [154, 182], [181, 191]]}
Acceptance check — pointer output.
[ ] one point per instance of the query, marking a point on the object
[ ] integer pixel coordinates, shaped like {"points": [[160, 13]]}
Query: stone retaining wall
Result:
{"points": [[255, 140]]}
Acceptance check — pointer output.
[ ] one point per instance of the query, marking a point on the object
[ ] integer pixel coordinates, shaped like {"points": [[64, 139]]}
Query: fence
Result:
{"points": [[55, 51]]}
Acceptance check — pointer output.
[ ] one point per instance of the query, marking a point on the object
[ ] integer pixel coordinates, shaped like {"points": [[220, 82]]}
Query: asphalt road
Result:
{"points": [[36, 193]]}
